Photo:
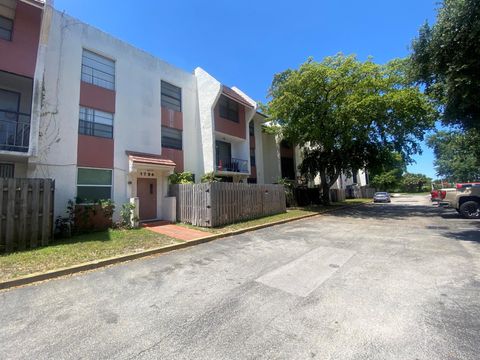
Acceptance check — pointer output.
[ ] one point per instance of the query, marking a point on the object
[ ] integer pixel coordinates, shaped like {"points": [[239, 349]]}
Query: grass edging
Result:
{"points": [[91, 265]]}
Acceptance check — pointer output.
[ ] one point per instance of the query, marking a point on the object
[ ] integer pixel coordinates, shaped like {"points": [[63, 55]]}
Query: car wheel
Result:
{"points": [[470, 210]]}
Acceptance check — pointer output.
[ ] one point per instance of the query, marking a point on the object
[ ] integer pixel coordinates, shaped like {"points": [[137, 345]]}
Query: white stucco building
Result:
{"points": [[107, 120]]}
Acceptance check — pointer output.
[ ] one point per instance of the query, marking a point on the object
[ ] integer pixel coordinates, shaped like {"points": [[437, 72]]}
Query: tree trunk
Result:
{"points": [[325, 187]]}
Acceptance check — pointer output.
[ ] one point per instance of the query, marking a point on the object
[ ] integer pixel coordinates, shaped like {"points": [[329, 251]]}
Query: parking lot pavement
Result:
{"points": [[380, 281]]}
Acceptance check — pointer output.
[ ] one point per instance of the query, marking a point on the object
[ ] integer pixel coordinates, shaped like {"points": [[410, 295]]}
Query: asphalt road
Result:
{"points": [[392, 281]]}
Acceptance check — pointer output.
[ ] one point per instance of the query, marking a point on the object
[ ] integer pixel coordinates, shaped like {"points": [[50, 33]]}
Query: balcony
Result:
{"points": [[233, 165], [14, 131]]}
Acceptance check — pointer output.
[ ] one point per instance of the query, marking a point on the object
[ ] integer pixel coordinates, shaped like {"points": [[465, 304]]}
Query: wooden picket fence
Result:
{"points": [[26, 213], [216, 204]]}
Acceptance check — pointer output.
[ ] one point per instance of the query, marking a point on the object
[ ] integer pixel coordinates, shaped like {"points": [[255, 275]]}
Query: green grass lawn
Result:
{"points": [[291, 213], [80, 249], [106, 244]]}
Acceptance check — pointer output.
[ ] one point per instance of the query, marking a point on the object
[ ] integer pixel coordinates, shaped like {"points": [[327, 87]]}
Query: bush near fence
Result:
{"points": [[217, 204], [26, 213]]}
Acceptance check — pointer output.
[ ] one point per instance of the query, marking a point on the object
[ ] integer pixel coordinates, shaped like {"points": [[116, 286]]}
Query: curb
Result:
{"points": [[37, 277]]}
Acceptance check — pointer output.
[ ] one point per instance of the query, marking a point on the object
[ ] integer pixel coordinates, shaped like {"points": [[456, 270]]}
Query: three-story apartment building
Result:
{"points": [[107, 120]]}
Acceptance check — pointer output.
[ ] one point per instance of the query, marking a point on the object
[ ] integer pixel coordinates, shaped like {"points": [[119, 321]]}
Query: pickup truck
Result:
{"points": [[465, 199], [440, 195]]}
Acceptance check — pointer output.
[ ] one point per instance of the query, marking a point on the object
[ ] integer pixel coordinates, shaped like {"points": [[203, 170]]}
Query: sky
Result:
{"points": [[244, 43]]}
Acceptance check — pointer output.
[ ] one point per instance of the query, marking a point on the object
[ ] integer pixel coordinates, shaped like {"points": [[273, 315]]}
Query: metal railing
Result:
{"points": [[14, 131], [234, 165]]}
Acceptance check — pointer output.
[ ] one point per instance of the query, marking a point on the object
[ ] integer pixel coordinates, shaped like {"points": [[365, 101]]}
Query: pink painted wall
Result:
{"points": [[231, 127], [19, 56], [175, 155], [97, 97], [94, 151], [172, 118]]}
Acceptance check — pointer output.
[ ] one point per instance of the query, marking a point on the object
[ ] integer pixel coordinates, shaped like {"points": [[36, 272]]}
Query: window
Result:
{"points": [[251, 180], [252, 157], [288, 168], [7, 170], [171, 96], [228, 108], [251, 129], [98, 70], [93, 185], [171, 138], [223, 152], [6, 27], [95, 123]]}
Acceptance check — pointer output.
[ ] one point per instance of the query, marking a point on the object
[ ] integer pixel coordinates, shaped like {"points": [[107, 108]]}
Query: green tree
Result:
{"points": [[347, 114], [387, 181], [446, 58], [416, 182], [455, 158], [387, 175]]}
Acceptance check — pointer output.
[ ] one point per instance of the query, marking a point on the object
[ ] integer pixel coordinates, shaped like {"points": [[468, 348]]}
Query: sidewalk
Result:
{"points": [[175, 231]]}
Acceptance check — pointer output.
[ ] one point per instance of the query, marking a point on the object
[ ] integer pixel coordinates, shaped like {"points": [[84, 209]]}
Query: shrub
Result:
{"points": [[210, 178], [127, 218], [85, 217], [185, 177]]}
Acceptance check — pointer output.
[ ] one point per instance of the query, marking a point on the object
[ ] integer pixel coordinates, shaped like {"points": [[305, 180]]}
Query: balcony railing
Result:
{"points": [[14, 131], [234, 165]]}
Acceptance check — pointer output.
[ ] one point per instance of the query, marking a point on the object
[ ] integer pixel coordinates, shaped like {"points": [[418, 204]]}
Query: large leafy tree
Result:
{"points": [[446, 59], [387, 175], [415, 182], [455, 158], [348, 114]]}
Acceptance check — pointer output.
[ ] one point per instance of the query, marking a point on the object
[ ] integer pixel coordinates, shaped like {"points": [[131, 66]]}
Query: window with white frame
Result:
{"points": [[93, 185], [95, 123], [98, 70], [171, 96], [6, 28]]}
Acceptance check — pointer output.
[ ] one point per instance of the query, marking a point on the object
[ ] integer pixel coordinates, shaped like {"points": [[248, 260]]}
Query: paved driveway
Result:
{"points": [[393, 281]]}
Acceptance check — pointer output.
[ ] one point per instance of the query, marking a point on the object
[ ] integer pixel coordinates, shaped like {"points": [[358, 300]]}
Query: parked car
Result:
{"points": [[381, 197], [466, 200]]}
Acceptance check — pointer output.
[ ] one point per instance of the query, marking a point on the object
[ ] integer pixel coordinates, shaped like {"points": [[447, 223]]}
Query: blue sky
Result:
{"points": [[243, 43]]}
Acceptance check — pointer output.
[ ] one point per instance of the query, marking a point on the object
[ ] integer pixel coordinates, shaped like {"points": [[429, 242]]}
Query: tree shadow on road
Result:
{"points": [[390, 211], [465, 235]]}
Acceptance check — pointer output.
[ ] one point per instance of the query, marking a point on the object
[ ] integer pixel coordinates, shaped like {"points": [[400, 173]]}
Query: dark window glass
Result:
{"points": [[252, 157], [88, 194], [228, 108], [251, 129], [98, 70], [6, 28], [172, 138], [284, 144], [95, 123], [7, 170], [94, 184], [288, 168], [171, 96], [251, 180], [355, 180], [223, 152]]}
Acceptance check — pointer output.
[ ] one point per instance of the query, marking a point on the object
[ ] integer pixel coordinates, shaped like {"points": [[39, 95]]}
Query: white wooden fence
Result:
{"points": [[216, 204]]}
